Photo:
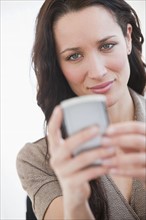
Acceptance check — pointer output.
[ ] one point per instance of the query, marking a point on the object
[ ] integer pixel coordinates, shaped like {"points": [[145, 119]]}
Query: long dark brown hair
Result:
{"points": [[52, 85]]}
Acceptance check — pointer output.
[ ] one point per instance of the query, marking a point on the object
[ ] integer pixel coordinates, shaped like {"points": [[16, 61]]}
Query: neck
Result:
{"points": [[123, 110]]}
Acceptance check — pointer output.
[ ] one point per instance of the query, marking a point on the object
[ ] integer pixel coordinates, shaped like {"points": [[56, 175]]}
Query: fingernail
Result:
{"points": [[113, 171], [56, 110], [111, 149], [110, 130], [98, 162], [94, 130], [105, 141], [106, 162]]}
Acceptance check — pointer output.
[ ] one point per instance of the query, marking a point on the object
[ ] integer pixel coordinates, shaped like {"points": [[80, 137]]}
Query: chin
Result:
{"points": [[111, 101]]}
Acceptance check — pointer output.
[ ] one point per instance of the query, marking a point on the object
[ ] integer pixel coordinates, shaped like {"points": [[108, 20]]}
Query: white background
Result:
{"points": [[21, 118]]}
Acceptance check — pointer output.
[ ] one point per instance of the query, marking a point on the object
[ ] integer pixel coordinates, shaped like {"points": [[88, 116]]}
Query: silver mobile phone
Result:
{"points": [[82, 112]]}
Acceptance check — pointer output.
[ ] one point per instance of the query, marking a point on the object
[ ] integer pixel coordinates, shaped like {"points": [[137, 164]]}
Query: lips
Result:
{"points": [[102, 88]]}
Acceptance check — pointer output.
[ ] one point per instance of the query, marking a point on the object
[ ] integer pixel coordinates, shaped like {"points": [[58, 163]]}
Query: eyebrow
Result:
{"points": [[78, 48]]}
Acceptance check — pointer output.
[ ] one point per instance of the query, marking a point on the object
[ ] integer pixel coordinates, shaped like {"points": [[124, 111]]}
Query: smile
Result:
{"points": [[102, 88]]}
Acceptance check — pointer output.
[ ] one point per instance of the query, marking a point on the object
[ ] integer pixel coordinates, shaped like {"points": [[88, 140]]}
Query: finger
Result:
{"points": [[66, 149], [127, 128], [54, 133], [85, 159], [76, 140], [55, 120], [136, 173], [60, 157], [126, 142], [126, 160], [88, 174]]}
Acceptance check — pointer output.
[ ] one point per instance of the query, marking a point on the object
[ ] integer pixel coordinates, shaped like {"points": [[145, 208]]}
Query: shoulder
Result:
{"points": [[33, 150], [37, 177], [33, 155]]}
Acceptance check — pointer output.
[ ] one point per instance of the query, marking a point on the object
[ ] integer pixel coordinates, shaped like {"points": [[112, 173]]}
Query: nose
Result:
{"points": [[96, 67]]}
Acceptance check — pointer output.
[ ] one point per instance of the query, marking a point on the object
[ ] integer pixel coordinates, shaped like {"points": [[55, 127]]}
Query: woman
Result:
{"points": [[87, 47]]}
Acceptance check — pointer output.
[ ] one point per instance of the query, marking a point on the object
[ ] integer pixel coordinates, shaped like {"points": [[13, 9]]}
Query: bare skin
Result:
{"points": [[130, 138]]}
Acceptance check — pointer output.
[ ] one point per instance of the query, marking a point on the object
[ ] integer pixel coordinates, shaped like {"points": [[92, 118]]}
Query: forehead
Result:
{"points": [[93, 20]]}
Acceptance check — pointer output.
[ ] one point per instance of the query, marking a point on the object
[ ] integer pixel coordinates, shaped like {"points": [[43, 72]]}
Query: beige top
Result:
{"points": [[42, 186]]}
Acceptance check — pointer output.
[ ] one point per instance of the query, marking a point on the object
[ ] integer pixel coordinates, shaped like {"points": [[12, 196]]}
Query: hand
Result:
{"points": [[74, 173], [130, 139]]}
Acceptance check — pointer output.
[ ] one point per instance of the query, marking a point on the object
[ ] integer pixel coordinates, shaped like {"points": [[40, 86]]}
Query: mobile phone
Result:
{"points": [[84, 111]]}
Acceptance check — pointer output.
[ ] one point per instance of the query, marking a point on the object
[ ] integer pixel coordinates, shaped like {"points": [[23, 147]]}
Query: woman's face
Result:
{"points": [[93, 53]]}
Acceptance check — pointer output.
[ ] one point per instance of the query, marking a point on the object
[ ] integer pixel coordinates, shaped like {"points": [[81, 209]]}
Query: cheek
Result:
{"points": [[120, 64], [73, 75]]}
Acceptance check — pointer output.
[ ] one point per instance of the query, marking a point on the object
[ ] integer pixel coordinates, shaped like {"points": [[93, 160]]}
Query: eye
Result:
{"points": [[108, 46], [74, 57]]}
